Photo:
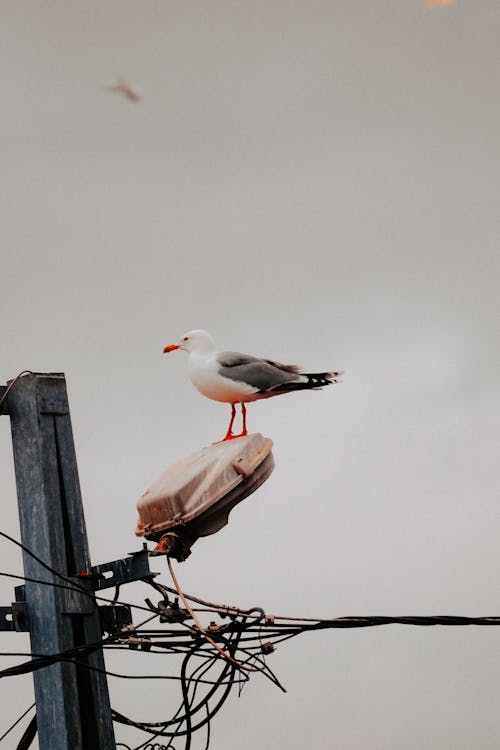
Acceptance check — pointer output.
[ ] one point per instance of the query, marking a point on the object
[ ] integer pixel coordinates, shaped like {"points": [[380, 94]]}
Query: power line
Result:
{"points": [[73, 586], [241, 637], [12, 726], [213, 659]]}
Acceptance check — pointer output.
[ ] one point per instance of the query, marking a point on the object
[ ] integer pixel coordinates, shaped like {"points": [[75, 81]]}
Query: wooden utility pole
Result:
{"points": [[72, 702]]}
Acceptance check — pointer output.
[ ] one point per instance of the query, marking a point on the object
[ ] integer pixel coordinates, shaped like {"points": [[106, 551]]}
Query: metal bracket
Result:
{"points": [[114, 617], [105, 576], [128, 569], [20, 617], [78, 602], [6, 619], [14, 617]]}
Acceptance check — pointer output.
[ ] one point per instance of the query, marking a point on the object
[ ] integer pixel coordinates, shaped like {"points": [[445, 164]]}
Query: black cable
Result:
{"points": [[243, 627], [28, 736], [185, 698], [189, 705], [215, 656], [243, 634], [204, 669], [163, 650], [210, 714], [308, 624], [265, 669], [280, 631], [44, 565], [43, 660], [207, 743], [73, 585], [12, 726]]}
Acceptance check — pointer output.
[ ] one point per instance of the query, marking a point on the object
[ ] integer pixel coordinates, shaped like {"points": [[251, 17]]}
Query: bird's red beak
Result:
{"points": [[170, 348]]}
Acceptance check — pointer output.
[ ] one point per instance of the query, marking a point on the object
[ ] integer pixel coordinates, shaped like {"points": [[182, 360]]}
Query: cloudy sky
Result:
{"points": [[318, 183]]}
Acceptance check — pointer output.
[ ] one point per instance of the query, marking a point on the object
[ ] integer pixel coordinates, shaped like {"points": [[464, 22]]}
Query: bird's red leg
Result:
{"points": [[229, 433], [244, 417]]}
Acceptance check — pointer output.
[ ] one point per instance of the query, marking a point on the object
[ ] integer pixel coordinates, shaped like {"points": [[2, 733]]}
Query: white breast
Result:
{"points": [[203, 371]]}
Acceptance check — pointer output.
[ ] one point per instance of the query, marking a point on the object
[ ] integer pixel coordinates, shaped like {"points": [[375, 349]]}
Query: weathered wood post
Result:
{"points": [[72, 702]]}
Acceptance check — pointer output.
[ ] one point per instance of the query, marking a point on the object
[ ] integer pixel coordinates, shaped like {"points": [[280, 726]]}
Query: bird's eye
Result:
{"points": [[186, 338]]}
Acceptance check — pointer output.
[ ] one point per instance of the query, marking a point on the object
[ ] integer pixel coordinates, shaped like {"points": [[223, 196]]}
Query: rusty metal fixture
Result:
{"points": [[195, 496]]}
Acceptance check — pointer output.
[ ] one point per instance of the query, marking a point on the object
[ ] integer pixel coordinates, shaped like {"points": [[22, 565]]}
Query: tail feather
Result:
{"points": [[314, 380]]}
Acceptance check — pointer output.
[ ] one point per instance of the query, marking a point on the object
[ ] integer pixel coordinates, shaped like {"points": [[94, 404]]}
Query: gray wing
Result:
{"points": [[263, 374]]}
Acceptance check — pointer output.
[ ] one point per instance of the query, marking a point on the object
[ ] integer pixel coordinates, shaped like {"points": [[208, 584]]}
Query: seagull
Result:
{"points": [[236, 378], [121, 86]]}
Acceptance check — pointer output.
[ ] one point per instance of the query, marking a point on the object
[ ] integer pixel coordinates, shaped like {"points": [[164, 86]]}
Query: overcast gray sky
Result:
{"points": [[316, 182]]}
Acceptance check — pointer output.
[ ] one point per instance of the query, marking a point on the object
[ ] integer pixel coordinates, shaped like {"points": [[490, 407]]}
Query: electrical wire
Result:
{"points": [[204, 701], [227, 652], [203, 669], [251, 647], [73, 586], [200, 626], [40, 661], [29, 735], [210, 713], [9, 730]]}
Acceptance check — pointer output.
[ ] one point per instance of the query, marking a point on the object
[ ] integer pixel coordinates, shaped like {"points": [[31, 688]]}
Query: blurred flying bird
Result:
{"points": [[121, 86], [239, 378], [431, 4]]}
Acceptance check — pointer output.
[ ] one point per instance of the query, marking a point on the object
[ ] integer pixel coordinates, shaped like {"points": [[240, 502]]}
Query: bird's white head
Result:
{"points": [[193, 341]]}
